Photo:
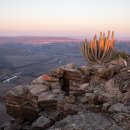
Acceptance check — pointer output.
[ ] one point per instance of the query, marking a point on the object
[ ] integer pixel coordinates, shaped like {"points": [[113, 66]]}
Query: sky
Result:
{"points": [[74, 18]]}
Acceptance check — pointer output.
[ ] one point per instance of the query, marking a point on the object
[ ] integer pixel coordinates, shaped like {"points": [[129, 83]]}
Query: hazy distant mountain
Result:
{"points": [[37, 39]]}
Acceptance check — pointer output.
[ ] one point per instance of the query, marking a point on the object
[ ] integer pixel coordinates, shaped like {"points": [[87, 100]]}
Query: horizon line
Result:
{"points": [[54, 36]]}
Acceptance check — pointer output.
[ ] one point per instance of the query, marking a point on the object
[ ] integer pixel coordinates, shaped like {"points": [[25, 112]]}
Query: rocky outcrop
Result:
{"points": [[86, 121], [87, 97]]}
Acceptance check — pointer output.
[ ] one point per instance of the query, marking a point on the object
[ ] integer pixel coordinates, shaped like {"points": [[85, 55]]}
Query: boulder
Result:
{"points": [[17, 95], [73, 74], [57, 91], [6, 126], [113, 89], [122, 81], [106, 98], [38, 89], [58, 72], [17, 105], [51, 115], [55, 85], [48, 100], [86, 70], [119, 107], [75, 83], [122, 118], [95, 80], [85, 88], [45, 79], [115, 66], [41, 123], [89, 98], [119, 62], [26, 112], [77, 87], [126, 98], [101, 71], [38, 80], [75, 92], [106, 106], [72, 109], [70, 99], [70, 66], [32, 96]]}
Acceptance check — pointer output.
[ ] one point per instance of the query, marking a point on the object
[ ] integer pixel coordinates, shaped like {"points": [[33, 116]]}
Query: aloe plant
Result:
{"points": [[98, 51]]}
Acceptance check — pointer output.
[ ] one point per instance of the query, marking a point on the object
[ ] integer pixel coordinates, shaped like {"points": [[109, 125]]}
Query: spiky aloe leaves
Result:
{"points": [[98, 51]]}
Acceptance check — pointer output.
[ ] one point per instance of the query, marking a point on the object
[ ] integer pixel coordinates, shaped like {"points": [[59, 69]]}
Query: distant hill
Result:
{"points": [[37, 39]]}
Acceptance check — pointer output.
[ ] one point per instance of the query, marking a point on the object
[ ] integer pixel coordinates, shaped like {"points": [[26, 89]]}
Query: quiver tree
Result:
{"points": [[98, 51]]}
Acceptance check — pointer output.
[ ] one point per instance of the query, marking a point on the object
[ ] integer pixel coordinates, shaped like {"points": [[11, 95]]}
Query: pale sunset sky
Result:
{"points": [[73, 18]]}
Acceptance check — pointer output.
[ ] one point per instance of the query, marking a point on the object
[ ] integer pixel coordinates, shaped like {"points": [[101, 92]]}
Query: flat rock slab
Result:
{"points": [[38, 89], [86, 121]]}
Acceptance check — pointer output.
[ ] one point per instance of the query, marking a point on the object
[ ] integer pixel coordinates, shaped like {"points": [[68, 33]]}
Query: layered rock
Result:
{"points": [[68, 90]]}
